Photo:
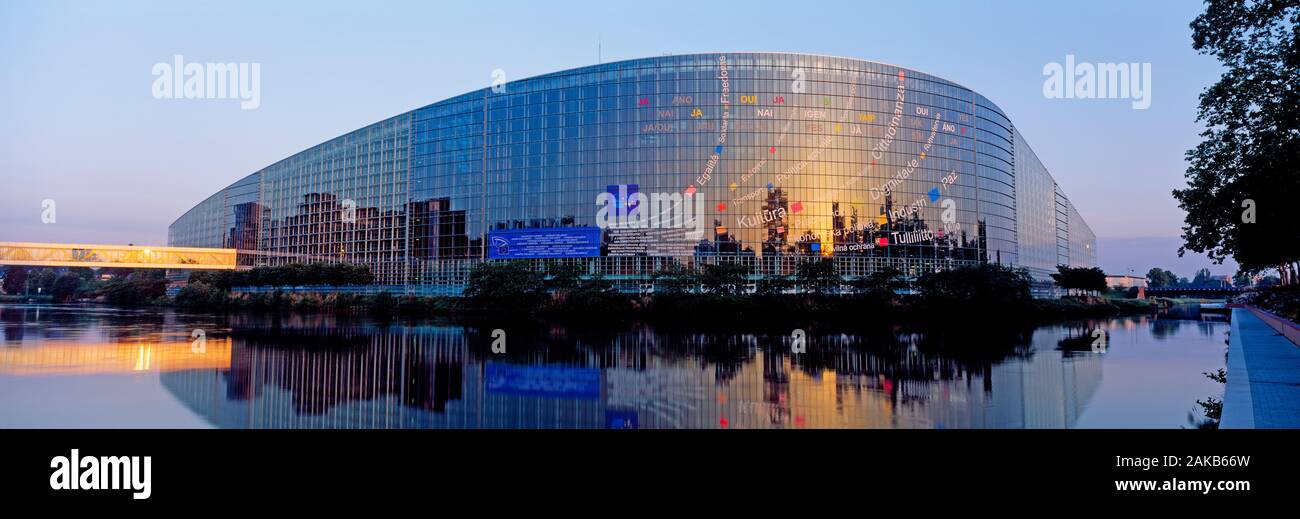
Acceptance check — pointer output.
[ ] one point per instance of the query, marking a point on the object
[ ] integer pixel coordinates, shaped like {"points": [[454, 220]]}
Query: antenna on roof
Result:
{"points": [[598, 56]]}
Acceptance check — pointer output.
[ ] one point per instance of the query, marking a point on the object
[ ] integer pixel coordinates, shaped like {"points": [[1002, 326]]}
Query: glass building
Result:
{"points": [[627, 168]]}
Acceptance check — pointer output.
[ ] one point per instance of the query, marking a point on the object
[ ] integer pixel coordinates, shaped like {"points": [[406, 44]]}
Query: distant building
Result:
{"points": [[1126, 281]]}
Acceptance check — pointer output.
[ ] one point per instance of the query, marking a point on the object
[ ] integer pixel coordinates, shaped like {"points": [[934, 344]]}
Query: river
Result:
{"points": [[97, 366]]}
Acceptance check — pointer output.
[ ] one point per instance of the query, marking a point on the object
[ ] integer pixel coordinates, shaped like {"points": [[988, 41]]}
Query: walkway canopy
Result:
{"points": [[128, 256]]}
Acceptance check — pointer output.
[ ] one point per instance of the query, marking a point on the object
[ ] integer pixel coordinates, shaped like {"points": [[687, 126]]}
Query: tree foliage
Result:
{"points": [[818, 276], [294, 274], [992, 285], [15, 279], [1072, 278], [65, 287], [724, 278], [508, 286], [884, 283], [1251, 143]]}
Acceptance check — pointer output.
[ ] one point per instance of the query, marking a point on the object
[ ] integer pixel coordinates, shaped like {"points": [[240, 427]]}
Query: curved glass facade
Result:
{"points": [[764, 159]]}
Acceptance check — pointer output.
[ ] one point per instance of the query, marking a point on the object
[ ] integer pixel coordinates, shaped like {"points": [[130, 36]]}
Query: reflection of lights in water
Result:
{"points": [[66, 357], [144, 357]]}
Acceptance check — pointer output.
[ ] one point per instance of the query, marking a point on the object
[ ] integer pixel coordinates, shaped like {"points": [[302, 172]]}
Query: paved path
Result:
{"points": [[1263, 389]]}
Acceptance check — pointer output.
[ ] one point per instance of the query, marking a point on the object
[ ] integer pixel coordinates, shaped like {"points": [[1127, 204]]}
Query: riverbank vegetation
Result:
{"points": [[110, 285], [1283, 300], [1241, 180], [719, 294]]}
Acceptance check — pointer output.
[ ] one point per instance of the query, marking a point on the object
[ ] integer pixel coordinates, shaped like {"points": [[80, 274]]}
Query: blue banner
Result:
{"points": [[543, 381], [558, 242]]}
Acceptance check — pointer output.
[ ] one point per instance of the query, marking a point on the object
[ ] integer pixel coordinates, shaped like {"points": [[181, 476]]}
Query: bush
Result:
{"points": [[1086, 279], [134, 291], [197, 294], [991, 286], [882, 284], [1283, 300], [724, 278], [65, 287], [818, 276], [676, 280], [595, 297], [382, 303], [293, 274], [505, 287]]}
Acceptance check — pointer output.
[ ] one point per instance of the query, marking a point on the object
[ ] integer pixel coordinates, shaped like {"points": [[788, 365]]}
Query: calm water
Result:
{"points": [[70, 366]]}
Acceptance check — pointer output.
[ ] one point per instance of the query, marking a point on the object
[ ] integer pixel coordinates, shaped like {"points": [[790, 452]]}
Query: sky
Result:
{"points": [[79, 124]]}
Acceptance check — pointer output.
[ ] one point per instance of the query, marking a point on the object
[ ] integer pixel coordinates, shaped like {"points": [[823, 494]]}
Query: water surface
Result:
{"points": [[94, 366]]}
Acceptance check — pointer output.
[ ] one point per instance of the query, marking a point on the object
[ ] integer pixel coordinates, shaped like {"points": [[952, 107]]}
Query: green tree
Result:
{"points": [[724, 278], [15, 279], [505, 286], [987, 286], [564, 277], [1251, 142], [773, 285], [201, 295], [315, 273], [818, 276], [42, 281], [1161, 278], [126, 291], [885, 282], [675, 279], [65, 287], [1241, 279], [1077, 278], [1204, 279], [596, 296]]}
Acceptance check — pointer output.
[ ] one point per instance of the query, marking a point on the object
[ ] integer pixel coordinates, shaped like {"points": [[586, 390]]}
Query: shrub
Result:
{"points": [[506, 287], [201, 295], [992, 286]]}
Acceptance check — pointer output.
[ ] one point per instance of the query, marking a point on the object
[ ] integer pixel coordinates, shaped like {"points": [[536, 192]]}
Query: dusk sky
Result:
{"points": [[79, 125]]}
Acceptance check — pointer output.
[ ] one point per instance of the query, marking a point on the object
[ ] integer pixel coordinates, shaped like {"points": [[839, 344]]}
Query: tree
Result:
{"points": [[1241, 279], [675, 279], [818, 276], [986, 286], [1071, 278], [359, 274], [773, 285], [1241, 179], [564, 277], [884, 282], [65, 287], [42, 281], [15, 279], [122, 291], [506, 286], [201, 295], [724, 278], [1161, 278], [596, 296], [1204, 279]]}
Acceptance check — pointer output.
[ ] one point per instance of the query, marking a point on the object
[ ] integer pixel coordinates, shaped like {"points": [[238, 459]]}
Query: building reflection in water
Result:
{"points": [[305, 373]]}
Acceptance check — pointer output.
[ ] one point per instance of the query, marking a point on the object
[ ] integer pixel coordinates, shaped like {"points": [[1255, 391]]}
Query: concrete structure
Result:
{"points": [[1263, 390]]}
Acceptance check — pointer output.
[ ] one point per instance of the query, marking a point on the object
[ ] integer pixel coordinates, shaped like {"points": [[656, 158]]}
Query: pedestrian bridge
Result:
{"points": [[125, 256]]}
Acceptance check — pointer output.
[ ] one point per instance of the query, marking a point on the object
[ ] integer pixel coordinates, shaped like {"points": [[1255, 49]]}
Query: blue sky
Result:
{"points": [[78, 123]]}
